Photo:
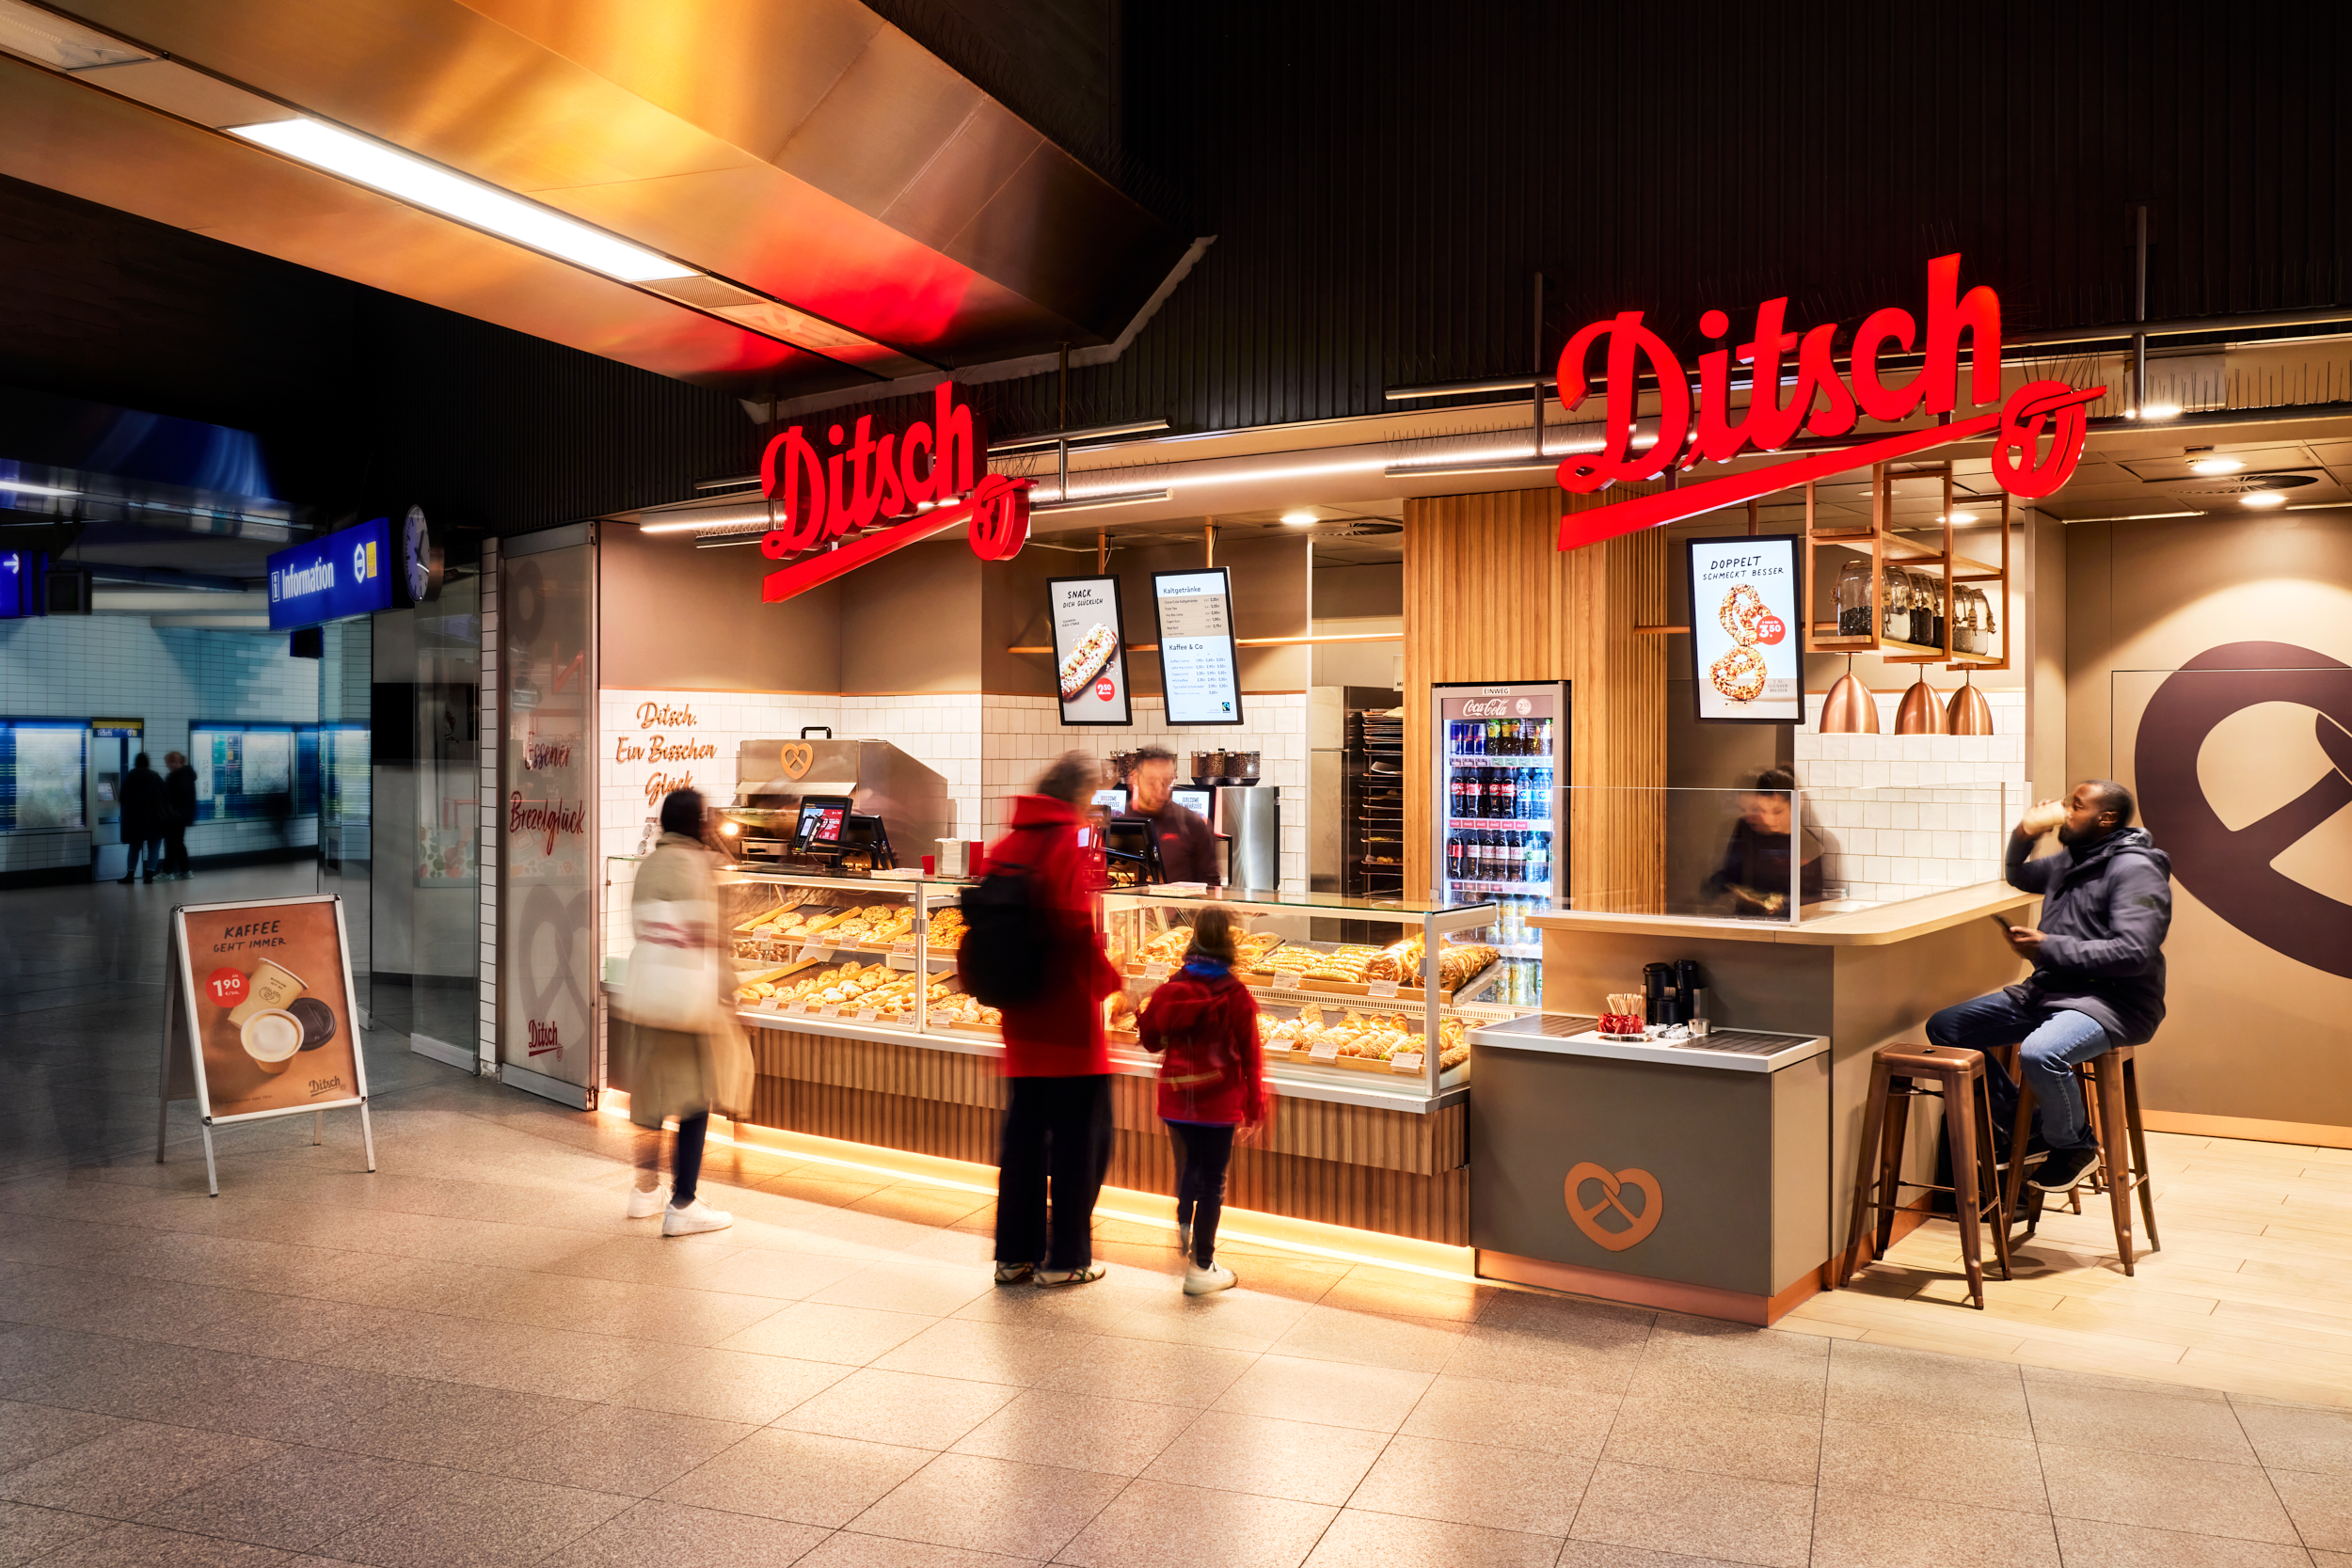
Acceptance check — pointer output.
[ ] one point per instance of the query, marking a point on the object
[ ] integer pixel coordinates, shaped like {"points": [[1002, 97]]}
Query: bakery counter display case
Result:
{"points": [[1338, 1016]]}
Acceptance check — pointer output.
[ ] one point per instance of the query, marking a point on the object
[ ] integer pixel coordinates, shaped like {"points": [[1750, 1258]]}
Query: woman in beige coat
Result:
{"points": [[685, 1073]]}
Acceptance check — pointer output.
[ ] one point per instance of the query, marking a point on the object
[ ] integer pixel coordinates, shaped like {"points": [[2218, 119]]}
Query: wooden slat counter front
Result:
{"points": [[1860, 979]]}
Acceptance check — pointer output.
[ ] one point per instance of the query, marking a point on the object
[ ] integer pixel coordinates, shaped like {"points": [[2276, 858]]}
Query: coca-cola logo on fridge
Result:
{"points": [[1473, 708]]}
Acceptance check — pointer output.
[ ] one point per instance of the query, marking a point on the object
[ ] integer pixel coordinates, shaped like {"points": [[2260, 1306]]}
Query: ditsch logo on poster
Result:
{"points": [[1819, 400], [903, 485]]}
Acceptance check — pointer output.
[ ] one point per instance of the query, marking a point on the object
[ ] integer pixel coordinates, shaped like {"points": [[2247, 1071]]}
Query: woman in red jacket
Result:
{"points": [[1057, 1116], [1212, 1085]]}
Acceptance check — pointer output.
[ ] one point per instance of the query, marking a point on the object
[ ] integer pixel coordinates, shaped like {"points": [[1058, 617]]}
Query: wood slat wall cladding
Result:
{"points": [[1389, 1171], [1488, 596]]}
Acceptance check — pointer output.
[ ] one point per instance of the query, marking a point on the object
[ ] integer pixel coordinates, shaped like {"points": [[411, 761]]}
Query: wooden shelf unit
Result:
{"points": [[1887, 546]]}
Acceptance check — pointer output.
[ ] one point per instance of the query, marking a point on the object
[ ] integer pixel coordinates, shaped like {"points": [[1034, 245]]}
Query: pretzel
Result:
{"points": [[1738, 674]]}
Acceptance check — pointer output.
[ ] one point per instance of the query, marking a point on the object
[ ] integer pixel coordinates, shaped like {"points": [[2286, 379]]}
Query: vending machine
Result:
{"points": [[1499, 807]]}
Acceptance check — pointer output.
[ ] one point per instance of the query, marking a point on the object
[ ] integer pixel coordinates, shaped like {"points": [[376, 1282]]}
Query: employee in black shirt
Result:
{"points": [[1187, 847]]}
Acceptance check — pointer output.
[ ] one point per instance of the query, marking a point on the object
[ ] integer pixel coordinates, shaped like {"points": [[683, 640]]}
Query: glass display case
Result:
{"points": [[1343, 985]]}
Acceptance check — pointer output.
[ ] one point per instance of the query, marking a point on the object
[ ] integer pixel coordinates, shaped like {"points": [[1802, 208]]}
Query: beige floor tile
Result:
{"points": [[27, 1533], [954, 1244], [1273, 1458], [1269, 1273], [1716, 1440], [1942, 1467], [909, 1409], [1706, 1517], [30, 1432], [1521, 1416], [849, 1549], [1787, 1373], [654, 1534], [1362, 1539], [1465, 1483], [980, 1504], [1885, 1387], [145, 1546], [295, 1499], [1370, 1339], [813, 1331], [2288, 1437], [510, 1356], [1016, 1354], [1400, 1295], [1328, 1393], [2087, 1543], [1078, 1432], [124, 1473], [1152, 1522], [2320, 1505], [481, 1520], [1595, 1554], [1158, 1373], [1240, 1318], [449, 1423], [2138, 1422], [801, 1476], [1087, 1309], [935, 1289], [614, 1448], [1870, 1530], [1498, 1354], [2163, 1493], [920, 1205], [2038, 1375], [732, 1386], [782, 1275]]}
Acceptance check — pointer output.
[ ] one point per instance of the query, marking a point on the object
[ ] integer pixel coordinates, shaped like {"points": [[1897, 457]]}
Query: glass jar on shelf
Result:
{"points": [[1927, 608], [1853, 598], [1967, 620], [1897, 623]]}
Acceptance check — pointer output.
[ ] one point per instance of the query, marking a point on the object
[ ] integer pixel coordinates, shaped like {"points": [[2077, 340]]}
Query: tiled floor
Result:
{"points": [[470, 1357]]}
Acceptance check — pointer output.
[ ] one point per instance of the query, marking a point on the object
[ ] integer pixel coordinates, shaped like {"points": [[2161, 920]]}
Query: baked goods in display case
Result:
{"points": [[1373, 1041]]}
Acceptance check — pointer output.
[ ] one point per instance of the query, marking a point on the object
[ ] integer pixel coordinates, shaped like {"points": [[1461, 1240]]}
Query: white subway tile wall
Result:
{"points": [[1907, 814], [121, 666]]}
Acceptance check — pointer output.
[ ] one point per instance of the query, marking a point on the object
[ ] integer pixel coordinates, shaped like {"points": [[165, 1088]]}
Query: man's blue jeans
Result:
{"points": [[2052, 1041]]}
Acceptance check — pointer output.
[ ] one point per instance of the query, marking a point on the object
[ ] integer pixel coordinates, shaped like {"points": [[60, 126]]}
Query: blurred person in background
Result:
{"points": [[1755, 862], [1188, 845], [686, 1053], [145, 811], [1204, 1023], [1057, 1116], [180, 795]]}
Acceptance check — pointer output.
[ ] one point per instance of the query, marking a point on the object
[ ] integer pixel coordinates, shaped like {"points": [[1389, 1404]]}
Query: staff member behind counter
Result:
{"points": [[1187, 847]]}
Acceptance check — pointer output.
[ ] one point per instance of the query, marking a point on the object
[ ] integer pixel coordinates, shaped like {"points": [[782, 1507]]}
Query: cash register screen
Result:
{"points": [[1193, 800], [1114, 801], [821, 817]]}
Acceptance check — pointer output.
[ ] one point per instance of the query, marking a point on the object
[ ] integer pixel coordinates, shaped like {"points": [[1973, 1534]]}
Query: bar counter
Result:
{"points": [[1772, 1137]]}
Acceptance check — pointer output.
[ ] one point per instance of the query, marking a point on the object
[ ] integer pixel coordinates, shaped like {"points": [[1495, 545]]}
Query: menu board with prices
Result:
{"points": [[1746, 608], [1090, 650], [1197, 661], [247, 771]]}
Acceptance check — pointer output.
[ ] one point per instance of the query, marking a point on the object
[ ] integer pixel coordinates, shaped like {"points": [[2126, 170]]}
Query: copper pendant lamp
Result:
{"points": [[1921, 711], [1970, 713], [1850, 708]]}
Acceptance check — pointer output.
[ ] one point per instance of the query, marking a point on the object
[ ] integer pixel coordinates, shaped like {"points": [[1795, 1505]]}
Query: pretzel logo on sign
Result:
{"points": [[1613, 1189], [798, 755]]}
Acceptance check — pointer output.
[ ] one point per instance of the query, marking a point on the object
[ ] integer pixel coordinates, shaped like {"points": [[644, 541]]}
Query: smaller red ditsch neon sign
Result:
{"points": [[871, 496], [1819, 401]]}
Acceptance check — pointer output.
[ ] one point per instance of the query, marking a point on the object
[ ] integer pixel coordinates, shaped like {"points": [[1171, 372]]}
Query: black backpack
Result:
{"points": [[1006, 938]]}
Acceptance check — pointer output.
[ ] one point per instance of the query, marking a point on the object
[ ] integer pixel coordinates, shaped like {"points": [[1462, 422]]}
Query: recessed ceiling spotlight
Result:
{"points": [[436, 189], [1299, 519], [2212, 462], [1959, 518], [2262, 498]]}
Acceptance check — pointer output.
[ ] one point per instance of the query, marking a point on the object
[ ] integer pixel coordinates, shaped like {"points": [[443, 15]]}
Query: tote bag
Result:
{"points": [[674, 969]]}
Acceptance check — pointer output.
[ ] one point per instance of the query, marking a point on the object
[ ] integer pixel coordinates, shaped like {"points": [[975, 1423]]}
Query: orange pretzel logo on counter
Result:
{"points": [[1612, 1186], [796, 756]]}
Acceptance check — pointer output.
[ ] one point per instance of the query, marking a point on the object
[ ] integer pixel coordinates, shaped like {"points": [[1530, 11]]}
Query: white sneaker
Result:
{"points": [[1201, 1282], [644, 1205], [695, 1218]]}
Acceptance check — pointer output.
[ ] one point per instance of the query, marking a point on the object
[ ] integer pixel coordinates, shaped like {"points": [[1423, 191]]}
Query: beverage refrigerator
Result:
{"points": [[1499, 812]]}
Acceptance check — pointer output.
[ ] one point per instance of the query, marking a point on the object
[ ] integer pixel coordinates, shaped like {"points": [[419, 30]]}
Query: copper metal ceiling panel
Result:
{"points": [[57, 132], [806, 149]]}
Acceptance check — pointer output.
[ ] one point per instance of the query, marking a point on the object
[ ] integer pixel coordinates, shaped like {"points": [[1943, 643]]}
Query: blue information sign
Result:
{"points": [[350, 572]]}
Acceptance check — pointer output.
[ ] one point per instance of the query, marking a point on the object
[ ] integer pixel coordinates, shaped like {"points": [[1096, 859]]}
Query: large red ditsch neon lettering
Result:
{"points": [[1820, 402]]}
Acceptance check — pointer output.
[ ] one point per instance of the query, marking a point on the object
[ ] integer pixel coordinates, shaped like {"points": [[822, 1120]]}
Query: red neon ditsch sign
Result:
{"points": [[889, 492], [1820, 402]]}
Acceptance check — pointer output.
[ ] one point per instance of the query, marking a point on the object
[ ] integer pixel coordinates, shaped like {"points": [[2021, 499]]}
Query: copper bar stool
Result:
{"points": [[2111, 1099], [1899, 1073]]}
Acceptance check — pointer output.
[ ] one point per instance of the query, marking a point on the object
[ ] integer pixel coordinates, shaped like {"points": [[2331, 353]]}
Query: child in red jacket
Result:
{"points": [[1212, 1085]]}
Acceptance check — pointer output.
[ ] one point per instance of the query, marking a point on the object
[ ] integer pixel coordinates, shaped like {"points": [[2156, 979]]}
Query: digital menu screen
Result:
{"points": [[1746, 610], [820, 822], [1196, 615], [1090, 650]]}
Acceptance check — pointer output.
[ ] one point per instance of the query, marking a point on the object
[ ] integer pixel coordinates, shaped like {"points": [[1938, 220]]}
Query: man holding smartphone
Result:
{"points": [[2098, 967]]}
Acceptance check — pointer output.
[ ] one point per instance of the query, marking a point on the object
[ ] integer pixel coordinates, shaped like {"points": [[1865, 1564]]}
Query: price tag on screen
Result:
{"points": [[1380, 988], [1324, 1051], [226, 987], [1155, 972], [1405, 1061]]}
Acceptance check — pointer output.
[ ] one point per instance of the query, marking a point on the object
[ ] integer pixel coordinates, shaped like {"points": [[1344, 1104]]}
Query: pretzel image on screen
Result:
{"points": [[1740, 673]]}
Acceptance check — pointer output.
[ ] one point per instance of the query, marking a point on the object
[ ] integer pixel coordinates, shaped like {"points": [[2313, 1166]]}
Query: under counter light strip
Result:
{"points": [[484, 207], [1225, 1232]]}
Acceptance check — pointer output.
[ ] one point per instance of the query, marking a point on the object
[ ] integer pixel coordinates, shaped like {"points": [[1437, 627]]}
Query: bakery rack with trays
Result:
{"points": [[1373, 803], [1347, 1011]]}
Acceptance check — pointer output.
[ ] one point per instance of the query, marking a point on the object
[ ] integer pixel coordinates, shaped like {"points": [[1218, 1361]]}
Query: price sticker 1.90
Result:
{"points": [[226, 987]]}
